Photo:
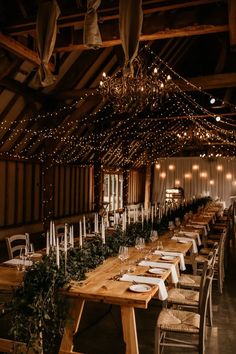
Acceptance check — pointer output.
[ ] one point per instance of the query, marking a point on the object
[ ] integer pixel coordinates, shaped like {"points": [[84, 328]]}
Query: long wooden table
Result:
{"points": [[101, 286]]}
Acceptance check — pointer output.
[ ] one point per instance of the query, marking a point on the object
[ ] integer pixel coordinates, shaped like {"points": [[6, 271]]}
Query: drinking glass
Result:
{"points": [[23, 254], [139, 243], [154, 236], [123, 254]]}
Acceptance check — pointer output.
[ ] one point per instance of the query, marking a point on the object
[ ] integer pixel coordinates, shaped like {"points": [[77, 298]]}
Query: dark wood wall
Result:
{"points": [[136, 186], [21, 192], [21, 185]]}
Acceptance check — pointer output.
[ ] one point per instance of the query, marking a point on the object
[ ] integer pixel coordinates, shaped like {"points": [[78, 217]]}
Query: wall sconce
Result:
{"points": [[219, 168], [195, 167], [163, 175]]}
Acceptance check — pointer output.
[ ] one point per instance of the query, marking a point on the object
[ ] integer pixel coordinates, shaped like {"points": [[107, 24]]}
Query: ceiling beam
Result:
{"points": [[28, 93], [232, 23], [20, 50], [207, 82], [107, 14], [164, 34]]}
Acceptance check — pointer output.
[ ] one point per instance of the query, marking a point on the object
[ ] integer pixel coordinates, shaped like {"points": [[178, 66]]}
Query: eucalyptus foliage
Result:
{"points": [[38, 307]]}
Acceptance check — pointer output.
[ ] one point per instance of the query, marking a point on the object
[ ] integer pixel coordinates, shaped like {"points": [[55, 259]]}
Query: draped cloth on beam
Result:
{"points": [[46, 31], [131, 20], [92, 37]]}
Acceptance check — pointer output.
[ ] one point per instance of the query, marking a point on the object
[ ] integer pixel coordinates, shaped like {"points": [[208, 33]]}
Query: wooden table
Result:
{"points": [[100, 286]]}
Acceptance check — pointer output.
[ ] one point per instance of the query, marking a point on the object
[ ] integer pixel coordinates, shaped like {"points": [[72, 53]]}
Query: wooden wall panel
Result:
{"points": [[20, 193], [67, 190], [11, 187], [77, 191], [61, 191], [72, 191], [29, 191], [2, 191], [56, 190], [37, 193]]}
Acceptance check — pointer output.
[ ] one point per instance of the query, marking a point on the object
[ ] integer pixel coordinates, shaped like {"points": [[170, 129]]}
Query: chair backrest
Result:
{"points": [[15, 243], [204, 304]]}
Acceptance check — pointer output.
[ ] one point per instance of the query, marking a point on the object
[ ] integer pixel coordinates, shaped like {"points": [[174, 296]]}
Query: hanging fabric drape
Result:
{"points": [[46, 31], [92, 36], [131, 19]]}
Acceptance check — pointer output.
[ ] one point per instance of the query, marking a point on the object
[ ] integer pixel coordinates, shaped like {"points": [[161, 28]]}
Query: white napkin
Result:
{"points": [[171, 267], [195, 250], [192, 234], [17, 261], [162, 293], [170, 253], [201, 223], [197, 226]]}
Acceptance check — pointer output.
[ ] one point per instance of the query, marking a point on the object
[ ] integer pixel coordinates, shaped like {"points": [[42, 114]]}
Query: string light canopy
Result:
{"points": [[137, 89]]}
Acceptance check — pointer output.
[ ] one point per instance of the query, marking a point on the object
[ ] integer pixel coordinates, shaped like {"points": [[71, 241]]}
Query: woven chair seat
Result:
{"points": [[190, 281], [179, 321], [205, 251], [183, 297]]}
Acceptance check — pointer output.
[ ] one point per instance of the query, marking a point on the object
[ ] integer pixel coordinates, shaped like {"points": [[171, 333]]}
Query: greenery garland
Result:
{"points": [[39, 310]]}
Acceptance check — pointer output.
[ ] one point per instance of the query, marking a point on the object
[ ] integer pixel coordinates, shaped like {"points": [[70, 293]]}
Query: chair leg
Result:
{"points": [[157, 349], [209, 308]]}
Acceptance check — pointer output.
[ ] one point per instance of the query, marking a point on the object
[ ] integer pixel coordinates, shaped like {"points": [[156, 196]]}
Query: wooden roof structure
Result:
{"points": [[70, 122]]}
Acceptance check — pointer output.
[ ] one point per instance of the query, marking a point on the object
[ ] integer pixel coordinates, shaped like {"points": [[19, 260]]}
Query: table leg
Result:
{"points": [[72, 325], [129, 329]]}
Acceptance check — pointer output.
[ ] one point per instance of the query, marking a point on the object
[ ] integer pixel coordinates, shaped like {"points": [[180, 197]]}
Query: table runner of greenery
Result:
{"points": [[38, 310]]}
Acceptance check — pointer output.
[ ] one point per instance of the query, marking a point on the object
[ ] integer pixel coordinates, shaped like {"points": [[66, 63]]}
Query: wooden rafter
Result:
{"points": [[20, 50], [28, 93], [207, 82], [107, 14], [232, 23], [167, 33]]}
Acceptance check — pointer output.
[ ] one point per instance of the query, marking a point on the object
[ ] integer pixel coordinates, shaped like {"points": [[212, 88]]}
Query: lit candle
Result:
{"points": [[72, 236], [103, 232], [65, 238], [47, 243], [80, 234], [128, 217], [84, 223], [152, 214], [108, 219], [95, 223], [142, 216], [53, 234], [57, 253], [50, 234]]}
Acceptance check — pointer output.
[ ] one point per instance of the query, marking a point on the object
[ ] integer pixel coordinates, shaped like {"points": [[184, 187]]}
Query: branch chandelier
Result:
{"points": [[136, 89], [158, 110]]}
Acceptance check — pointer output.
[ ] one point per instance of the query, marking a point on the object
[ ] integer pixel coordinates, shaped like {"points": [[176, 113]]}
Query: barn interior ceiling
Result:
{"points": [[73, 121]]}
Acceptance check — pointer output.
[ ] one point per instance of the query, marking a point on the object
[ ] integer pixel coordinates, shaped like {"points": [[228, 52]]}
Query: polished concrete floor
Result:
{"points": [[101, 333]]}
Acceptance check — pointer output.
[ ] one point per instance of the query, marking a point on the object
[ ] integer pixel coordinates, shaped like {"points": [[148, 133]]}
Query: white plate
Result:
{"points": [[168, 258], [140, 288], [183, 241], [156, 271]]}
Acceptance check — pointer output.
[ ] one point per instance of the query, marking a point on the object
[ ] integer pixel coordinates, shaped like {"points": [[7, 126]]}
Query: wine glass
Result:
{"points": [[30, 250], [139, 243], [154, 236], [123, 254], [23, 254]]}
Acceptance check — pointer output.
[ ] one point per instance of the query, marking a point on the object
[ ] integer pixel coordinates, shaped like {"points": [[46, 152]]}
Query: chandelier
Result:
{"points": [[136, 89]]}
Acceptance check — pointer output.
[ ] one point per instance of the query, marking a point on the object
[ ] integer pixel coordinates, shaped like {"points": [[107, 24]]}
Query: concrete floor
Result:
{"points": [[101, 333]]}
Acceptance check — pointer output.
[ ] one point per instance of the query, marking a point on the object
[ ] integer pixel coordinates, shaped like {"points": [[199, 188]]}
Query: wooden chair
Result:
{"points": [[190, 298], [15, 243], [172, 323]]}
